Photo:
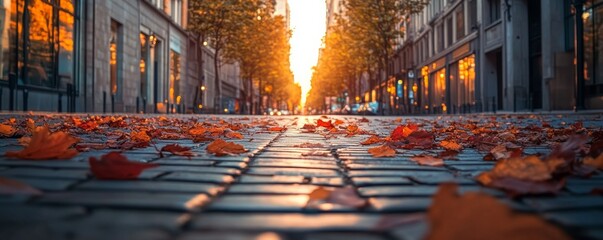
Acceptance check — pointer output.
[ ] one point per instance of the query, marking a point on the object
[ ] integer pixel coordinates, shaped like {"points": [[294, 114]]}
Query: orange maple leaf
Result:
{"points": [[45, 145], [276, 129], [200, 130], [372, 140], [403, 131], [7, 130], [476, 215], [234, 135], [141, 136], [220, 147], [382, 151], [428, 160], [451, 145]]}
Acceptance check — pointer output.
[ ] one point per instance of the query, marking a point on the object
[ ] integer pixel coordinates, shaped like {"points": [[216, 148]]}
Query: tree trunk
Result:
{"points": [[250, 94], [218, 84]]}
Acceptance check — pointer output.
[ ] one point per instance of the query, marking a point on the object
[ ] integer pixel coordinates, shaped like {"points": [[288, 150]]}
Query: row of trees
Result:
{"points": [[247, 32], [359, 46]]}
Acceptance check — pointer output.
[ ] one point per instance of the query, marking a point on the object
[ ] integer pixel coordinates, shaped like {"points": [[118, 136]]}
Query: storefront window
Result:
{"points": [[175, 97], [42, 54], [439, 91], [425, 87], [466, 86], [144, 64], [593, 44]]}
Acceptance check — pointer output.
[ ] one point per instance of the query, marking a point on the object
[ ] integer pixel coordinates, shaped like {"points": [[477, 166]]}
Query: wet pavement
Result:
{"points": [[264, 194]]}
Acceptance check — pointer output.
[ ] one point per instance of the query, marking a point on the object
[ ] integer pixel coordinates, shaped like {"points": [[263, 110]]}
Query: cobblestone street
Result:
{"points": [[264, 193]]}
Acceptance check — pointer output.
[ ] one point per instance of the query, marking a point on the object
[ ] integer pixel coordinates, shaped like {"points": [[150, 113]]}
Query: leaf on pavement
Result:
{"points": [[325, 124], [316, 153], [352, 129], [476, 215], [277, 129], [594, 162], [220, 147], [45, 145], [503, 151], [7, 130], [116, 166], [309, 145], [141, 137], [178, 150], [428, 160], [235, 135], [13, 187], [403, 131], [323, 198], [372, 140], [451, 145], [200, 130], [382, 151]]}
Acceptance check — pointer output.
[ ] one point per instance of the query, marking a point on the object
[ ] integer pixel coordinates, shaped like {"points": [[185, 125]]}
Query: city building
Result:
{"points": [[496, 55]]}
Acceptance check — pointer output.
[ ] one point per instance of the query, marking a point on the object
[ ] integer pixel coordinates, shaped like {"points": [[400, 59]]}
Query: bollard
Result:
{"points": [[25, 99], [60, 102], [112, 103], [137, 104], [104, 101]]}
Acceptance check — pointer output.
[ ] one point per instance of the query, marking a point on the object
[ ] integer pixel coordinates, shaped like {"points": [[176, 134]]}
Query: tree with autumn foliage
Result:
{"points": [[366, 31], [219, 23]]}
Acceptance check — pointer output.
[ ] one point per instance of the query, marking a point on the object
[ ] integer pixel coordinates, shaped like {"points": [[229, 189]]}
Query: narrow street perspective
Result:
{"points": [[301, 119]]}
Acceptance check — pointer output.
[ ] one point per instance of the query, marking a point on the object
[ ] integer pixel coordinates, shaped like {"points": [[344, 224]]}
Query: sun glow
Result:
{"points": [[308, 23]]}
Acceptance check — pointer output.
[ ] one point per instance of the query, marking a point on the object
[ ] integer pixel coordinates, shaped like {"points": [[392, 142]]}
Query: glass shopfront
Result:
{"points": [[593, 47], [37, 43]]}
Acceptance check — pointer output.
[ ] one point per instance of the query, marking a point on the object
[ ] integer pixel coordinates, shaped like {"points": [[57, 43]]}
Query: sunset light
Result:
{"points": [[308, 26]]}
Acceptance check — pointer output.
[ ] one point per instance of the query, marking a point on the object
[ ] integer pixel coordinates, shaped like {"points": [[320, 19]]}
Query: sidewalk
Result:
{"points": [[264, 194]]}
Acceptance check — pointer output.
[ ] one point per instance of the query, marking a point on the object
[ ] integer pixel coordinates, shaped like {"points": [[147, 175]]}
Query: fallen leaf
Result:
{"points": [[477, 215], [178, 150], [372, 140], [352, 129], [403, 131], [309, 145], [321, 123], [428, 160], [140, 136], [235, 135], [14, 187], [421, 139], [502, 151], [316, 153], [220, 147], [197, 131], [322, 198], [451, 145], [594, 162], [382, 151], [45, 145], [277, 129], [7, 130], [116, 166], [24, 141], [338, 122]]}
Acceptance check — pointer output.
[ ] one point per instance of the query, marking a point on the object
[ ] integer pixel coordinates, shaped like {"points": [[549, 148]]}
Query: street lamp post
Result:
{"points": [[579, 53]]}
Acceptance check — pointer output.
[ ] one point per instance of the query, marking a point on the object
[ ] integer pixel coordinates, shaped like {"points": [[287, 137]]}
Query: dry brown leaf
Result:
{"points": [[309, 145], [235, 135], [479, 216], [428, 160], [322, 198], [140, 136], [7, 130], [197, 131], [277, 129], [451, 145], [45, 145], [594, 162], [316, 153], [372, 140], [382, 151], [220, 147], [352, 129]]}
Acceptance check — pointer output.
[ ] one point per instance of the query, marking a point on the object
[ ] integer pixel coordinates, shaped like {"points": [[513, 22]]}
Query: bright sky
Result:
{"points": [[308, 25]]}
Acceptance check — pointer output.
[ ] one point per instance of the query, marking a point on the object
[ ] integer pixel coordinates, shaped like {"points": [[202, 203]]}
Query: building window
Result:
{"points": [[144, 65], [439, 38], [466, 75], [460, 22], [42, 54], [115, 51], [174, 94], [157, 3], [593, 47], [176, 11], [439, 91], [449, 31], [472, 15], [494, 11]]}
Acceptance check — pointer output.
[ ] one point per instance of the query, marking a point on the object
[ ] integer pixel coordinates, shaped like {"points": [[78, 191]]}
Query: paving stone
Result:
{"points": [[397, 173], [578, 218], [163, 201], [272, 179], [198, 177], [230, 171], [376, 181], [47, 173], [294, 172], [415, 191], [343, 235], [291, 222], [564, 203], [107, 218], [436, 180], [270, 189], [13, 199], [412, 231], [151, 186], [259, 203], [121, 234], [393, 167], [173, 162], [46, 184], [581, 186], [328, 181], [226, 235], [471, 167], [414, 204], [296, 164], [45, 164], [24, 214], [239, 165]]}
